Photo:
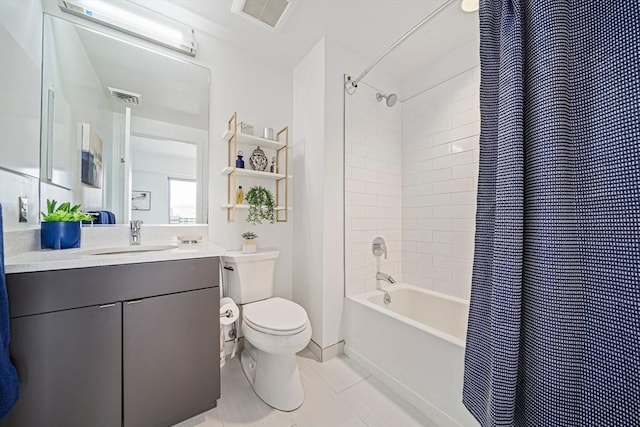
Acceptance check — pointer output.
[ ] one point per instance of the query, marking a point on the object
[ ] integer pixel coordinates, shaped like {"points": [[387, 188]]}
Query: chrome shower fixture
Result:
{"points": [[392, 98]]}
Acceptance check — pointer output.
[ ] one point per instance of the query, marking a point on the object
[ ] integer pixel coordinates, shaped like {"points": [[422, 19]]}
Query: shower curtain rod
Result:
{"points": [[352, 85]]}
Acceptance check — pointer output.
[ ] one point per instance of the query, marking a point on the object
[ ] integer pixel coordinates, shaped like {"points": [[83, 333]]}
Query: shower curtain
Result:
{"points": [[554, 320]]}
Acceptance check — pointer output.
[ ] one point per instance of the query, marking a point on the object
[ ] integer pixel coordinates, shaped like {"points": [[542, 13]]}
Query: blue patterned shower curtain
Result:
{"points": [[554, 321]]}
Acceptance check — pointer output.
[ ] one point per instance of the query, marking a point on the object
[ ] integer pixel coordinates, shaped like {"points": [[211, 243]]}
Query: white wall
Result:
{"points": [[319, 156], [373, 189], [20, 44], [441, 128], [442, 69], [21, 47], [260, 91], [308, 171]]}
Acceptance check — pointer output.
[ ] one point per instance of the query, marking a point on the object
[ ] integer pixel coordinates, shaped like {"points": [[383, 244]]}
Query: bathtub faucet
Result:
{"points": [[387, 278]]}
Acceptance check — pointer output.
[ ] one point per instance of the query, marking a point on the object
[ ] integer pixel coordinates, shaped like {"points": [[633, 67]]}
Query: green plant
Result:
{"points": [[64, 213], [261, 205], [249, 235]]}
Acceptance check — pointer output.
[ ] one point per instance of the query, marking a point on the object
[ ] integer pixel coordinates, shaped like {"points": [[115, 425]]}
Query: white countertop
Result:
{"points": [[45, 260]]}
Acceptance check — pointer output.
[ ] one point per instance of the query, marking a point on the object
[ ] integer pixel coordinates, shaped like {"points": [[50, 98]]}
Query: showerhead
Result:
{"points": [[392, 98]]}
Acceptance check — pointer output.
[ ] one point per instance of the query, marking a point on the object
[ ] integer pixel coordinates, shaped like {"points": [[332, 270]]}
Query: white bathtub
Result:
{"points": [[415, 345]]}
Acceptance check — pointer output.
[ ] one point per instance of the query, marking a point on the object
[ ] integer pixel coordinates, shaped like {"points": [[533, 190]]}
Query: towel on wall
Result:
{"points": [[8, 376]]}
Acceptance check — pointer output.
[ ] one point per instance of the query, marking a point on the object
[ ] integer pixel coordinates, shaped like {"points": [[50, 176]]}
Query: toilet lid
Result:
{"points": [[275, 316]]}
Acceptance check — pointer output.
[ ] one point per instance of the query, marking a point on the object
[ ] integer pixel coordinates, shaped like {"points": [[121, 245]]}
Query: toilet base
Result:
{"points": [[274, 377]]}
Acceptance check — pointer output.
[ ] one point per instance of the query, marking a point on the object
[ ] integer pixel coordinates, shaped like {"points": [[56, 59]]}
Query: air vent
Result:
{"points": [[125, 96], [271, 14]]}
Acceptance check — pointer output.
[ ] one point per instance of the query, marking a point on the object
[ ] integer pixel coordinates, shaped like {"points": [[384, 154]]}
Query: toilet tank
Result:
{"points": [[249, 277]]}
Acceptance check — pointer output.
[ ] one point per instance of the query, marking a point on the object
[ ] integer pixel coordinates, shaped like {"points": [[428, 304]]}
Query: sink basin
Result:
{"points": [[126, 249]]}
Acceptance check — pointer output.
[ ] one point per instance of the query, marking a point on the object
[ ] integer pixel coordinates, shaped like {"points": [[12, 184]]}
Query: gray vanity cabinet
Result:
{"points": [[69, 363], [171, 363], [133, 345]]}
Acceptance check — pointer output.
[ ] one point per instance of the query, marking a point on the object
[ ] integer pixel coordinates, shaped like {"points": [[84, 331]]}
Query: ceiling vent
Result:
{"points": [[271, 14], [125, 96]]}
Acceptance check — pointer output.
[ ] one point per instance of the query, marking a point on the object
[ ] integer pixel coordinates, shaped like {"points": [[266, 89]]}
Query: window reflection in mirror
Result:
{"points": [[182, 201], [98, 154], [156, 165]]}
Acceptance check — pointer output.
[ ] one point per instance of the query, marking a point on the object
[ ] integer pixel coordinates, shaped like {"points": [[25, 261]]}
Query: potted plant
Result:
{"points": [[261, 205], [249, 246], [60, 227]]}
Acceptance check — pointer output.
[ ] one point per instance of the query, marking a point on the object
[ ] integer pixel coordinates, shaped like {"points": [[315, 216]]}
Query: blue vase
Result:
{"points": [[60, 235]]}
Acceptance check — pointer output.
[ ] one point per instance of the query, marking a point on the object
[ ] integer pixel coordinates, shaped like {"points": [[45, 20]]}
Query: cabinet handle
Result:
{"points": [[108, 305], [228, 268], [134, 302]]}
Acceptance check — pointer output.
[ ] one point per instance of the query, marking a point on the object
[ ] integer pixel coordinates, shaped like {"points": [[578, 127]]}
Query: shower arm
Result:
{"points": [[352, 85]]}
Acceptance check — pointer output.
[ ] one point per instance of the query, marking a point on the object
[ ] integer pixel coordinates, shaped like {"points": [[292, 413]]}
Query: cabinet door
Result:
{"points": [[70, 365], [171, 357]]}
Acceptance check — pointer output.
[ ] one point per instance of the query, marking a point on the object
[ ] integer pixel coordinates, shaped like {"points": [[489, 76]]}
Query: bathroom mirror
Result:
{"points": [[125, 128]]}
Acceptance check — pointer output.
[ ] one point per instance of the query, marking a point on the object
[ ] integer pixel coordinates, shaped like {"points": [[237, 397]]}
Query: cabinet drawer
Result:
{"points": [[46, 291]]}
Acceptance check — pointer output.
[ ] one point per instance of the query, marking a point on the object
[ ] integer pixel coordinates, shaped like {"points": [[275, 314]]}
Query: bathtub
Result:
{"points": [[415, 345]]}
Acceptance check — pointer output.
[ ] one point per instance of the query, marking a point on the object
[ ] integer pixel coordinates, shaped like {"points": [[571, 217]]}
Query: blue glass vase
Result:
{"points": [[59, 235]]}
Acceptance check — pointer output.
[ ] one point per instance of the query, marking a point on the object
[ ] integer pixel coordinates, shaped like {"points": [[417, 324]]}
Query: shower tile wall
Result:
{"points": [[440, 129], [373, 188]]}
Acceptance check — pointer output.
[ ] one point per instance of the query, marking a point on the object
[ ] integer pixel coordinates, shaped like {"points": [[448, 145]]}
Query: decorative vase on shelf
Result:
{"points": [[240, 161], [258, 160]]}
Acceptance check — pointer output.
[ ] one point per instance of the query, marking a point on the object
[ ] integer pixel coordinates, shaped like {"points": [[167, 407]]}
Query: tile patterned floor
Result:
{"points": [[338, 393]]}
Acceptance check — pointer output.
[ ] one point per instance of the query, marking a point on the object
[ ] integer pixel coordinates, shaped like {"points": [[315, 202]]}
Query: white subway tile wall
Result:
{"points": [[411, 175], [373, 188], [440, 132]]}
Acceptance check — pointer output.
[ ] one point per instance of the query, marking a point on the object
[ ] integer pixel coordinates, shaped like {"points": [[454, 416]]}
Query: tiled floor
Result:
{"points": [[338, 393]]}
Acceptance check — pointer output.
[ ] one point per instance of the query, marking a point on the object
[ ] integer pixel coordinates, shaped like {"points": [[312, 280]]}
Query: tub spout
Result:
{"points": [[385, 277], [387, 298]]}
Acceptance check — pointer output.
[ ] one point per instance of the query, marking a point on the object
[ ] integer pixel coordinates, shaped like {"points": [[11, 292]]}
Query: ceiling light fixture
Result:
{"points": [[136, 21], [469, 6]]}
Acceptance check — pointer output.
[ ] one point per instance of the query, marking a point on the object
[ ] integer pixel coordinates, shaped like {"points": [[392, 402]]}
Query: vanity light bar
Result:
{"points": [[136, 21]]}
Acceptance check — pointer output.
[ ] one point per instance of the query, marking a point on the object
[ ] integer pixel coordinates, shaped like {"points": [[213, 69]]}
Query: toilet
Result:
{"points": [[274, 328]]}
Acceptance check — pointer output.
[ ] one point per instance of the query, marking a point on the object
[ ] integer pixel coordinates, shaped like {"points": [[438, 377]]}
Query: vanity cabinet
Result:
{"points": [[170, 361], [69, 363], [132, 345]]}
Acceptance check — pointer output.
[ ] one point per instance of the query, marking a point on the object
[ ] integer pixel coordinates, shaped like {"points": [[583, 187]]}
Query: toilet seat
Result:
{"points": [[276, 316]]}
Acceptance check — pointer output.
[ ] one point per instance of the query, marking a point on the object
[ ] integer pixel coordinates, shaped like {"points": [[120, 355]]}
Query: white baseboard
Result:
{"points": [[315, 349], [422, 405], [324, 354]]}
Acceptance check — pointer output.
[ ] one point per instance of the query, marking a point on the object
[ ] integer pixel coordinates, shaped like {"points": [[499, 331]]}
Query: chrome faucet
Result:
{"points": [[135, 236], [383, 276], [379, 248]]}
